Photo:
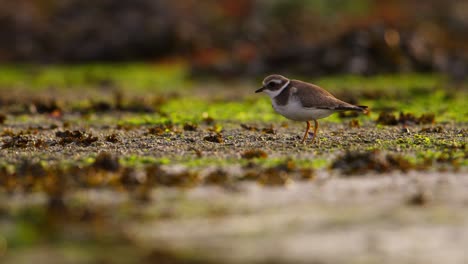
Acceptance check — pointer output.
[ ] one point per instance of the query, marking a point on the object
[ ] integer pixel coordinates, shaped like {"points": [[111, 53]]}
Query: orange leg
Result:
{"points": [[315, 131], [306, 132]]}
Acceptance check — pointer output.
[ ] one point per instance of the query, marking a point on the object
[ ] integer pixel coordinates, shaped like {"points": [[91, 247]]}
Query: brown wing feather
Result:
{"points": [[315, 97]]}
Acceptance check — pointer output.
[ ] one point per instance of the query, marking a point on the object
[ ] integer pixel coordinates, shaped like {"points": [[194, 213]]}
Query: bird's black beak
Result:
{"points": [[260, 90]]}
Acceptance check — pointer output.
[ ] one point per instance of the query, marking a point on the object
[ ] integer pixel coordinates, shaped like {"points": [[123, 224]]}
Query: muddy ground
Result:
{"points": [[86, 183]]}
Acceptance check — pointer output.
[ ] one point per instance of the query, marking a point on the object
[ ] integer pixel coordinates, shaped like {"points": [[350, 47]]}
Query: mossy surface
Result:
{"points": [[131, 155]]}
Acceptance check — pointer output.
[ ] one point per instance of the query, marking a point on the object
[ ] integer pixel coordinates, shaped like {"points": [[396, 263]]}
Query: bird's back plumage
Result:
{"points": [[313, 96]]}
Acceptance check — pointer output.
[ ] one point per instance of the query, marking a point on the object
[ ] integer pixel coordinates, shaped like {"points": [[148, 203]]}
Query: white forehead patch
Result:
{"points": [[274, 81]]}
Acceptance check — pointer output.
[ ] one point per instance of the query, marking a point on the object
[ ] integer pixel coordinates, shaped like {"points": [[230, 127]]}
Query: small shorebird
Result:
{"points": [[301, 101]]}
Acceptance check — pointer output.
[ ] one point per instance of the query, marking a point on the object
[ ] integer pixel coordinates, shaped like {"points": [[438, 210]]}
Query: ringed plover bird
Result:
{"points": [[301, 101]]}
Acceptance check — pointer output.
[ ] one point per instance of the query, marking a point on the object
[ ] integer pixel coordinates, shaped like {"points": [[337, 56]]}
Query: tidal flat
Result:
{"points": [[148, 162]]}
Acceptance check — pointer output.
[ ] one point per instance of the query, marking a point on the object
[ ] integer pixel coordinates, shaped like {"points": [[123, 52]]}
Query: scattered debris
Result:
{"points": [[269, 130], [183, 178], [279, 175], [157, 130], [266, 130], [249, 127], [390, 119], [190, 127], [207, 120], [17, 141], [217, 177], [437, 129], [254, 153], [274, 177], [126, 127], [160, 129], [411, 119], [354, 123], [216, 138], [39, 143], [45, 107], [216, 128], [107, 162], [76, 136], [307, 174], [8, 133], [358, 163], [113, 138]]}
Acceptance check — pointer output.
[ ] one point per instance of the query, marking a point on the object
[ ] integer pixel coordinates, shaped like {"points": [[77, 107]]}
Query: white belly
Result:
{"points": [[294, 111]]}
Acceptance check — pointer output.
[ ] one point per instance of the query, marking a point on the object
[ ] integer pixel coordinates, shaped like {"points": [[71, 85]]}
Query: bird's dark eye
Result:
{"points": [[271, 84]]}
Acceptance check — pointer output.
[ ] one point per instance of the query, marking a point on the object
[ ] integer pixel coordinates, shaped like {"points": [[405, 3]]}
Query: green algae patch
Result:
{"points": [[135, 76]]}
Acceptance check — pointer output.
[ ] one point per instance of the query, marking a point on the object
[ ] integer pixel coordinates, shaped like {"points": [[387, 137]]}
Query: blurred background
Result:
{"points": [[234, 38]]}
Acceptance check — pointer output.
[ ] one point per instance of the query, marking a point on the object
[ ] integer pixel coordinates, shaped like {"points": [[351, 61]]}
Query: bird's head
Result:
{"points": [[273, 85]]}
